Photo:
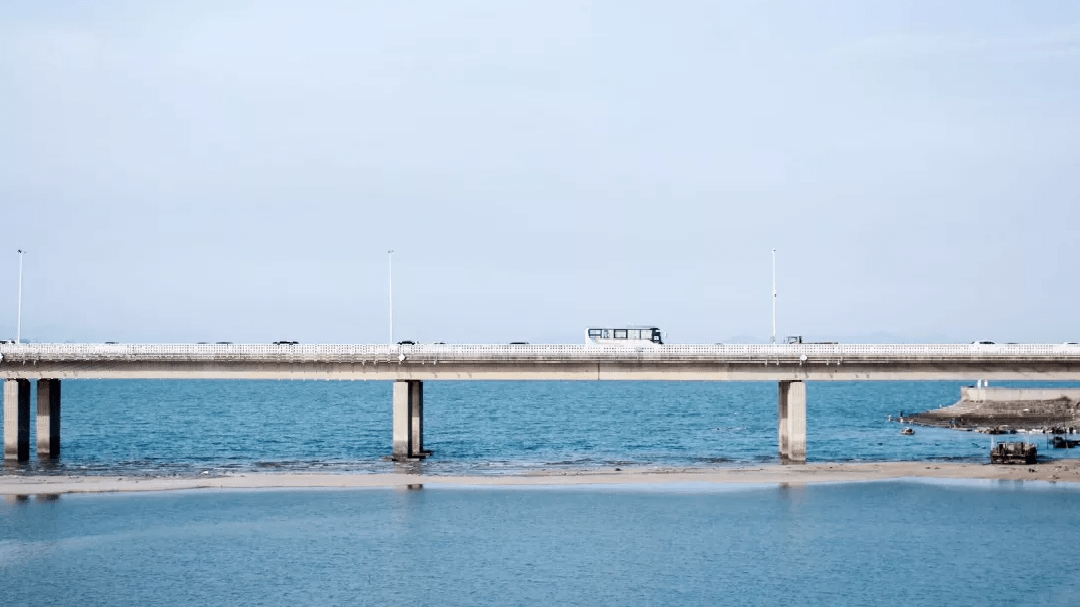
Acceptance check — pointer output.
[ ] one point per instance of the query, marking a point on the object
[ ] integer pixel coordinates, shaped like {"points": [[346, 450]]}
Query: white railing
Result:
{"points": [[553, 353]]}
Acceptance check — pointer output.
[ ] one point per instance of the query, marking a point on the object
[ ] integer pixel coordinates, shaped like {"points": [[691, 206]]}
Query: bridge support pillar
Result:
{"points": [[792, 424], [409, 420], [17, 419], [48, 418]]}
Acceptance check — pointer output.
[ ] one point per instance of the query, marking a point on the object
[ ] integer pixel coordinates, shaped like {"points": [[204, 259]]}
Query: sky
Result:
{"points": [[184, 171]]}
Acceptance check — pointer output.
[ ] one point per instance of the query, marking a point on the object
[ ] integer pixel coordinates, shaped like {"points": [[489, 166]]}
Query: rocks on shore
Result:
{"points": [[1058, 416]]}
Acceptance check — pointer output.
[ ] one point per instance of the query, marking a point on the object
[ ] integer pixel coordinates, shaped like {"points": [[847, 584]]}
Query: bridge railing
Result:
{"points": [[538, 353]]}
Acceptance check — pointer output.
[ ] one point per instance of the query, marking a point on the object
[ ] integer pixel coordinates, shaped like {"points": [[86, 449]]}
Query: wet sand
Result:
{"points": [[1059, 471]]}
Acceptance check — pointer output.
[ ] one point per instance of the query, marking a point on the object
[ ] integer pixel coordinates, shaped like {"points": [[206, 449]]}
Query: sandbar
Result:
{"points": [[1057, 471]]}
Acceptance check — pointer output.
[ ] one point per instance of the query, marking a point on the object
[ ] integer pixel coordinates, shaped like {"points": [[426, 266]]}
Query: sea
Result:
{"points": [[181, 427], [898, 542]]}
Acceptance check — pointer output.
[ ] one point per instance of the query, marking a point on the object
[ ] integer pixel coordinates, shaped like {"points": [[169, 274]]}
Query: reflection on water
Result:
{"points": [[907, 543], [25, 498]]}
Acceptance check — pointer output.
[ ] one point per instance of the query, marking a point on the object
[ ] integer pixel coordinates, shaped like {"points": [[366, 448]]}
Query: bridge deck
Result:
{"points": [[446, 361], [558, 353]]}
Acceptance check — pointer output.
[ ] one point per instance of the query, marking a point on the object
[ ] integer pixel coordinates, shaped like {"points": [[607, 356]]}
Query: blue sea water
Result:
{"points": [[184, 427], [909, 543], [901, 542]]}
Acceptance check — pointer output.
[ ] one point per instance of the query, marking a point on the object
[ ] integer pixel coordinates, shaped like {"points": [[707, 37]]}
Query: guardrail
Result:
{"points": [[540, 353]]}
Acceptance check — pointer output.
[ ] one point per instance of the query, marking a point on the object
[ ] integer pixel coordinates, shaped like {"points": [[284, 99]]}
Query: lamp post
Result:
{"points": [[390, 274], [774, 296], [18, 318]]}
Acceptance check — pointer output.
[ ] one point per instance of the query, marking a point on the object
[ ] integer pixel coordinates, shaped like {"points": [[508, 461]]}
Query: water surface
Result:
{"points": [[876, 543], [184, 427]]}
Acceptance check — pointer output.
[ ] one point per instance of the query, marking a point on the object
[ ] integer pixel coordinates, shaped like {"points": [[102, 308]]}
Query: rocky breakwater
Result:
{"points": [[1007, 410]]}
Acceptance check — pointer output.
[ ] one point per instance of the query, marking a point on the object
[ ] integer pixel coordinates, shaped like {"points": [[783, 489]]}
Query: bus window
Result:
{"points": [[620, 333], [595, 332]]}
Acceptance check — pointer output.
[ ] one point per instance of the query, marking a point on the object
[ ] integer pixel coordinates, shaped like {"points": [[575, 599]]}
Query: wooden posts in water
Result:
{"points": [[409, 420], [792, 422]]}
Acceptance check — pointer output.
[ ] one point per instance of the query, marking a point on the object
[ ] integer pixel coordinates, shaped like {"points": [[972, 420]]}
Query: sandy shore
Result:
{"points": [[1067, 471]]}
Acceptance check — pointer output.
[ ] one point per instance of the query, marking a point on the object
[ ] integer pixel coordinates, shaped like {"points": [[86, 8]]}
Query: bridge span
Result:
{"points": [[790, 365]]}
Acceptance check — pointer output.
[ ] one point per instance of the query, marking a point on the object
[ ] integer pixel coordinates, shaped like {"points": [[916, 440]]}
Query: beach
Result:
{"points": [[1058, 471]]}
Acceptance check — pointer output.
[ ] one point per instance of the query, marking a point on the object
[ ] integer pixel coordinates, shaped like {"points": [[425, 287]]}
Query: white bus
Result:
{"points": [[630, 336]]}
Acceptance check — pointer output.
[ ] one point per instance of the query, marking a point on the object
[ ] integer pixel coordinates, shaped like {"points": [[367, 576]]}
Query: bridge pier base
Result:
{"points": [[409, 420], [17, 419], [792, 424], [48, 418]]}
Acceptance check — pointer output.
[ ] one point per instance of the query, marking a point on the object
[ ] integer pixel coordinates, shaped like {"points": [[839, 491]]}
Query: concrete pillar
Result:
{"points": [[797, 422], [783, 418], [409, 420], [401, 420], [48, 418], [792, 423], [17, 419], [416, 413]]}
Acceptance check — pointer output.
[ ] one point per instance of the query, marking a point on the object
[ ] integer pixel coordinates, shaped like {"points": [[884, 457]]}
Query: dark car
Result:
{"points": [[406, 342], [286, 343], [519, 343]]}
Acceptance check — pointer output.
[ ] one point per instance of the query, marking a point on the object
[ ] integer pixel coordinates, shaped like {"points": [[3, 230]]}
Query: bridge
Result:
{"points": [[408, 366]]}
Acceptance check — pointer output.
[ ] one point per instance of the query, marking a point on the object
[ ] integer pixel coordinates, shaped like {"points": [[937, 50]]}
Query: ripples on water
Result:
{"points": [[905, 543], [184, 427]]}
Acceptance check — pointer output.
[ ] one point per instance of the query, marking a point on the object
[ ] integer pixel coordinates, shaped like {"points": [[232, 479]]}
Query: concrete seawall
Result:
{"points": [[1027, 408], [1018, 395]]}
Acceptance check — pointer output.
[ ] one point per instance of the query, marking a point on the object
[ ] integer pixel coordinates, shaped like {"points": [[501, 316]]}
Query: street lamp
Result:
{"points": [[390, 274], [18, 321], [774, 296]]}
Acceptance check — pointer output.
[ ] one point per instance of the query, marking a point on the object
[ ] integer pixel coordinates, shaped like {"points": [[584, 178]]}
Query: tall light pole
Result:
{"points": [[18, 319], [390, 274], [774, 296]]}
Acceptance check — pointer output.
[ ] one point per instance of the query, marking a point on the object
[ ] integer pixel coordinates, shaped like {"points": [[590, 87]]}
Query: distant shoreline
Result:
{"points": [[1056, 471]]}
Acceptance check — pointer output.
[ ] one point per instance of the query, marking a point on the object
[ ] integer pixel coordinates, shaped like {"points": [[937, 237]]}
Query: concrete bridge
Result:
{"points": [[790, 365]]}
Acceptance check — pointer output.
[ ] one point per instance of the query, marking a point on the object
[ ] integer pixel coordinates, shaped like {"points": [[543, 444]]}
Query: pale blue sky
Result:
{"points": [[212, 171]]}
